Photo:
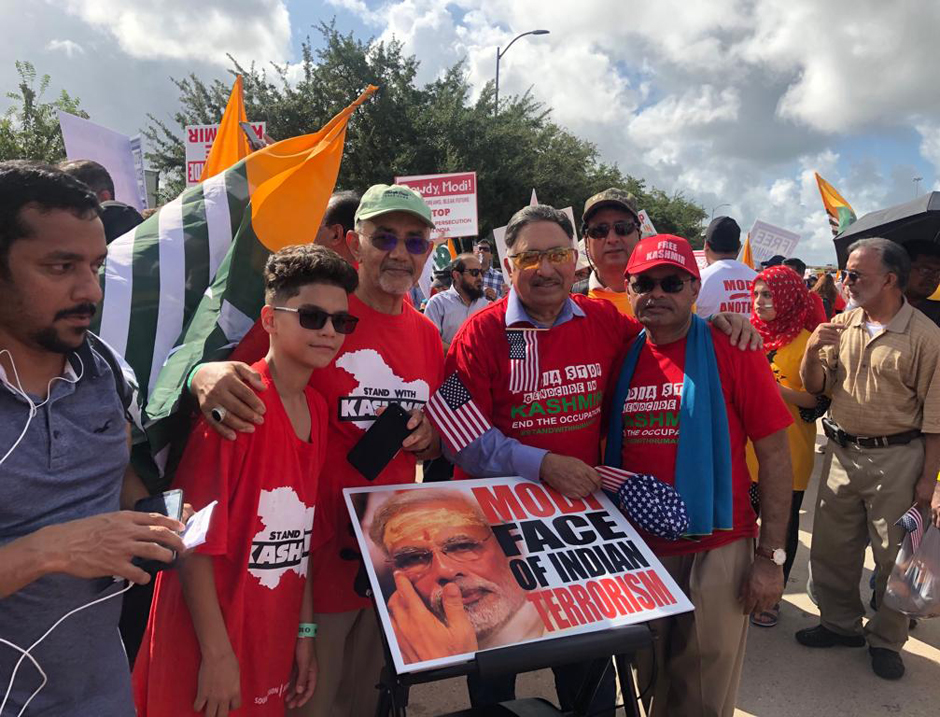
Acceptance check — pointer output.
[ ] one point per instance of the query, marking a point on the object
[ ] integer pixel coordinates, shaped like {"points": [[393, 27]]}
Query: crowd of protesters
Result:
{"points": [[235, 628]]}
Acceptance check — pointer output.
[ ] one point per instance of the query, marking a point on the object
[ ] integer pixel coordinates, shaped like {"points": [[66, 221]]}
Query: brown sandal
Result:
{"points": [[766, 618]]}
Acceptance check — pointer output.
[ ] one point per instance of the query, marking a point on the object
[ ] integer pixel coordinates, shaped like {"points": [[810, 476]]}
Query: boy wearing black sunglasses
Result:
{"points": [[235, 625]]}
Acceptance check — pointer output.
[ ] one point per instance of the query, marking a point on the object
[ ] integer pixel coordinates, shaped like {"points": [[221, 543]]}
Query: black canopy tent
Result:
{"points": [[915, 220]]}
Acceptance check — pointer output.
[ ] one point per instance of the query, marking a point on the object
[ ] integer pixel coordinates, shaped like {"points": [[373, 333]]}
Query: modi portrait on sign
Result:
{"points": [[451, 590]]}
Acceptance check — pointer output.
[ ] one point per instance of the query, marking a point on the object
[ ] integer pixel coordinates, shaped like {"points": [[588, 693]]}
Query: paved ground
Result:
{"points": [[781, 677]]}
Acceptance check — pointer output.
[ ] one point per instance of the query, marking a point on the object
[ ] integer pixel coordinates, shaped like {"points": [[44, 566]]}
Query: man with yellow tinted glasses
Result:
{"points": [[536, 364]]}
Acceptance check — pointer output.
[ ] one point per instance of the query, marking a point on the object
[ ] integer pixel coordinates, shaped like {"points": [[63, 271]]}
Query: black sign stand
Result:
{"points": [[621, 642]]}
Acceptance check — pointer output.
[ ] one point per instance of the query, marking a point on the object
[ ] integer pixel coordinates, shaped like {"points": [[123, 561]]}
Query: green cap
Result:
{"points": [[612, 197], [384, 198]]}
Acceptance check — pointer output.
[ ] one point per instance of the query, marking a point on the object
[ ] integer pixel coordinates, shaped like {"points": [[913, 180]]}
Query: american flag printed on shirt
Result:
{"points": [[452, 410], [523, 360], [913, 522]]}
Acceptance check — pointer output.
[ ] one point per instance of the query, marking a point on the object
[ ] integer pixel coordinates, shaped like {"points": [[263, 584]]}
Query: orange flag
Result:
{"points": [[747, 256], [231, 144]]}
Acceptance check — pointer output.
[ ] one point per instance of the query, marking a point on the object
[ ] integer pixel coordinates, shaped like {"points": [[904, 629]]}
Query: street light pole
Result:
{"points": [[499, 56], [917, 181], [714, 209]]}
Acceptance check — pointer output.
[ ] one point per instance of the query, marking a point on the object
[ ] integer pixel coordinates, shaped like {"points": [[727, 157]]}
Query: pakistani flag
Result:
{"points": [[186, 285]]}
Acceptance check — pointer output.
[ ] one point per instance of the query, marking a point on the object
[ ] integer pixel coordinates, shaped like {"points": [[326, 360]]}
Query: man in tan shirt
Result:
{"points": [[879, 363]]}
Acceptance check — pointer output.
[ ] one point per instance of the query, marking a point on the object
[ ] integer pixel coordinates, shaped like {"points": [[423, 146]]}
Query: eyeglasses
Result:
{"points": [[853, 276], [671, 284], [387, 241], [414, 561], [472, 272], [531, 259], [485, 248], [623, 228], [315, 319]]}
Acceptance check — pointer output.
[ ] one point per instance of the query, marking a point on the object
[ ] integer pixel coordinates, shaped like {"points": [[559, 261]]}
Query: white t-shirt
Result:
{"points": [[726, 286]]}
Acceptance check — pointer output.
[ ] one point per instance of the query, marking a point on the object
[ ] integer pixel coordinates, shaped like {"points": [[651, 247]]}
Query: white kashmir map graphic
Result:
{"points": [[284, 542], [377, 385]]}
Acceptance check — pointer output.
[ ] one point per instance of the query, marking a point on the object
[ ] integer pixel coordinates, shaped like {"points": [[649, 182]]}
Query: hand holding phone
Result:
{"points": [[169, 504]]}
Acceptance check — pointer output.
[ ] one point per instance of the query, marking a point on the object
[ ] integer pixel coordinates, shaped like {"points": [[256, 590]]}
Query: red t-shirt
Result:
{"points": [[651, 425], [563, 413], [260, 537], [387, 358]]}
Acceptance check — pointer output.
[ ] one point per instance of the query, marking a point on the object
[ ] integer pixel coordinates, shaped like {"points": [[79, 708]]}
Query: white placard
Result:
{"points": [[768, 241], [646, 225], [529, 563], [117, 153], [453, 202], [198, 139]]}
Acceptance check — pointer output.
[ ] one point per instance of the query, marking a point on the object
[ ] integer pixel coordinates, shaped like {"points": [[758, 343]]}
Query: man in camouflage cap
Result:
{"points": [[610, 229]]}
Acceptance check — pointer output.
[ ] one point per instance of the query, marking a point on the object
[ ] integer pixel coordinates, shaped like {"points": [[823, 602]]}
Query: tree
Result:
{"points": [[30, 129], [407, 129]]}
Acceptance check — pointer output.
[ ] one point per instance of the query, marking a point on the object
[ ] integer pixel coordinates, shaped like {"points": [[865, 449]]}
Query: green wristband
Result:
{"points": [[189, 378], [307, 629]]}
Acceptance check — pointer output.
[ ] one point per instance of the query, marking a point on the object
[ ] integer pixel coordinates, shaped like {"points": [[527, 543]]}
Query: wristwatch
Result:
{"points": [[778, 556]]}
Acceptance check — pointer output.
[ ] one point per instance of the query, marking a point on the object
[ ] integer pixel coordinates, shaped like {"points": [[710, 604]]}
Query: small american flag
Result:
{"points": [[612, 478], [523, 360], [452, 410], [913, 522]]}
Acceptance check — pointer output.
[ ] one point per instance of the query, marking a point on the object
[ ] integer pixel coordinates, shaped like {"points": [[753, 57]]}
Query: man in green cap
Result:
{"points": [[610, 229], [394, 355]]}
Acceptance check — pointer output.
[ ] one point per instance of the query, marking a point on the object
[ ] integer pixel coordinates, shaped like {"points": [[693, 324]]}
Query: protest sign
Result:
{"points": [[499, 236], [453, 202], [768, 241], [646, 225], [119, 154], [528, 563], [700, 259], [198, 139]]}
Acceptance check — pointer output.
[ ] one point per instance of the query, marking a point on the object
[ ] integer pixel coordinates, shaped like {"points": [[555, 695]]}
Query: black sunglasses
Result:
{"points": [[623, 228], [387, 241], [315, 319], [472, 272], [671, 284]]}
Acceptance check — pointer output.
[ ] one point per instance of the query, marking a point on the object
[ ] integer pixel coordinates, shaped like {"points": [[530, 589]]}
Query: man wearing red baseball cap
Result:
{"points": [[684, 405]]}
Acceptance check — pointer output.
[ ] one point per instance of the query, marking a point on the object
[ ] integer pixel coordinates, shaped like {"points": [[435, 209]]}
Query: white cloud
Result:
{"points": [[183, 30], [67, 46]]}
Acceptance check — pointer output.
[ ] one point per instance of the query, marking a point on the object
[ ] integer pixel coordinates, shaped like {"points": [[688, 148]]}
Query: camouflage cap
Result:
{"points": [[612, 197]]}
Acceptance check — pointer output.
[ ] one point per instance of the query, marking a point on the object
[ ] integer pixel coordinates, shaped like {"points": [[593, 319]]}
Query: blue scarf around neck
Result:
{"points": [[703, 458]]}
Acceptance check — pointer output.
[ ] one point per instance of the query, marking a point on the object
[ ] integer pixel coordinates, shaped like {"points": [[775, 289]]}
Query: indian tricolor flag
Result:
{"points": [[186, 285], [840, 212]]}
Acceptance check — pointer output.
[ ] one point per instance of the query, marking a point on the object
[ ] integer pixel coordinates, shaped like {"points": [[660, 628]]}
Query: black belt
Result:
{"points": [[833, 432]]}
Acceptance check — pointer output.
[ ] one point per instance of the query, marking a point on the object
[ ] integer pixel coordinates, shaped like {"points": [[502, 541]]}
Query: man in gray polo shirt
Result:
{"points": [[64, 445], [448, 310]]}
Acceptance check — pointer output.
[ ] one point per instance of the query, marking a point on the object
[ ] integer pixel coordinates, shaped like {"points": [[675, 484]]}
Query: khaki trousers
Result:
{"points": [[349, 658], [700, 654], [867, 490]]}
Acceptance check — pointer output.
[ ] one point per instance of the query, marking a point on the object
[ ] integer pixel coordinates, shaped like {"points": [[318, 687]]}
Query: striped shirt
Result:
{"points": [[888, 383]]}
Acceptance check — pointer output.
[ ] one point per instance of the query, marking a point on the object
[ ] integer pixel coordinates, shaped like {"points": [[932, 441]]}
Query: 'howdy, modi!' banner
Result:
{"points": [[468, 566], [198, 139], [453, 202]]}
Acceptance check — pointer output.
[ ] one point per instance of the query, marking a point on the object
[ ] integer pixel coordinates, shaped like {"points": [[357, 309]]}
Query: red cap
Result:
{"points": [[662, 250]]}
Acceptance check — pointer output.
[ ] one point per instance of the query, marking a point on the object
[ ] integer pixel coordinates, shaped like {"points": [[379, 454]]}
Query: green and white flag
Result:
{"points": [[186, 285]]}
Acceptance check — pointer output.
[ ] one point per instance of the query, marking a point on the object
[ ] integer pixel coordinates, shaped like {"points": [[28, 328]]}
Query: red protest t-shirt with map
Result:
{"points": [[651, 425], [260, 538], [545, 388], [387, 358]]}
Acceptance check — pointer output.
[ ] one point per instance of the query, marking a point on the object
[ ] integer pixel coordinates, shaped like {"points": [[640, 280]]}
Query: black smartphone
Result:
{"points": [[169, 504], [381, 442]]}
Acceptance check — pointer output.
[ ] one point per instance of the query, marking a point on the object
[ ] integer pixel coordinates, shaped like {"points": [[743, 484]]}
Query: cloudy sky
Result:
{"points": [[729, 101]]}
